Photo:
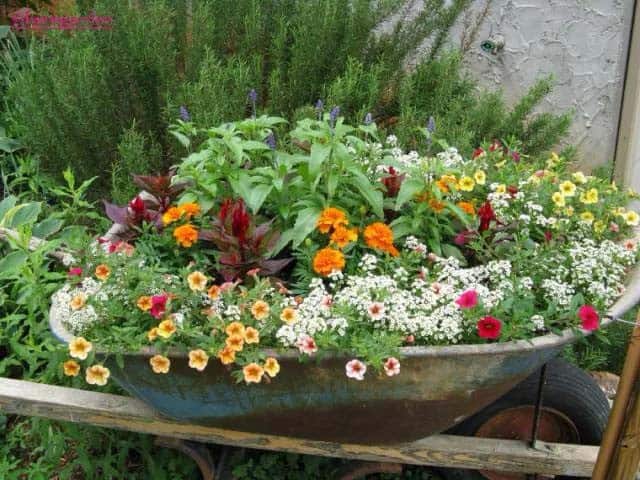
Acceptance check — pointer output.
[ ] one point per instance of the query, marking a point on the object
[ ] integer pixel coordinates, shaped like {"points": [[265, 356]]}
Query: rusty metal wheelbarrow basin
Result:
{"points": [[437, 388]]}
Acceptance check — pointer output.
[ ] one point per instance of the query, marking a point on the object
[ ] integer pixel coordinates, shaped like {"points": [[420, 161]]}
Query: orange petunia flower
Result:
{"points": [[189, 209], [342, 236], [160, 364], [71, 368], [102, 272], [78, 302], [144, 303], [198, 359], [327, 260], [186, 235], [331, 218], [235, 328], [79, 348], [436, 205], [446, 183], [197, 281], [253, 373], [173, 214], [235, 343], [227, 356], [166, 328], [467, 207], [251, 335], [213, 292], [97, 375], [271, 366], [380, 236], [260, 310], [289, 316], [152, 334]]}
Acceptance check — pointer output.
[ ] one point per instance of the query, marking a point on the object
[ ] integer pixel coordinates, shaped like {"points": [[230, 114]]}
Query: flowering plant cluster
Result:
{"points": [[344, 243]]}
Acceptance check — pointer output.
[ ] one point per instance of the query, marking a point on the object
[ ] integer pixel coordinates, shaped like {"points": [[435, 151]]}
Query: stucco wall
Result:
{"points": [[583, 43]]}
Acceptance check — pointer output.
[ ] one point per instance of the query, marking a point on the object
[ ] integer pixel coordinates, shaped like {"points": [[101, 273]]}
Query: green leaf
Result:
{"points": [[182, 138], [401, 226], [373, 196], [22, 214], [47, 227], [257, 195], [305, 223], [319, 154], [452, 251], [4, 31], [408, 189], [6, 205], [9, 145], [12, 262]]}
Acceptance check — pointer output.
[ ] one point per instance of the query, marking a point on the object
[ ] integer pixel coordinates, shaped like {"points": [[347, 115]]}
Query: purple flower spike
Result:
{"points": [[333, 116], [368, 119], [319, 108], [431, 125], [253, 95], [184, 114], [271, 141]]}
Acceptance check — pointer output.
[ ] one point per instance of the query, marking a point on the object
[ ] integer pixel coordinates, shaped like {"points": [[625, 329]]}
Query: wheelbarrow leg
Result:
{"points": [[359, 470], [199, 452]]}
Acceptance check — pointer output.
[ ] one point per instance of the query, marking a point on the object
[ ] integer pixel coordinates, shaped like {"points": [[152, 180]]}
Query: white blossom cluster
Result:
{"points": [[75, 320], [450, 157]]}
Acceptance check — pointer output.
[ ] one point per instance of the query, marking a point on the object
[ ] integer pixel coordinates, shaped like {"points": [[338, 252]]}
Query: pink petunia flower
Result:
{"points": [[307, 345], [392, 366], [158, 305], [74, 272], [489, 327], [376, 310], [589, 317], [326, 301], [356, 369], [467, 299]]}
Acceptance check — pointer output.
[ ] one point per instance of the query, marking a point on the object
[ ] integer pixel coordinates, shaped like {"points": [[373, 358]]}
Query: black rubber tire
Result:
{"points": [[568, 389]]}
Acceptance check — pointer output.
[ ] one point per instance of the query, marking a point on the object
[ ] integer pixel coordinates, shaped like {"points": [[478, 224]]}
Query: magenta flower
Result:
{"points": [[489, 327], [75, 272], [467, 299], [158, 305], [589, 317]]}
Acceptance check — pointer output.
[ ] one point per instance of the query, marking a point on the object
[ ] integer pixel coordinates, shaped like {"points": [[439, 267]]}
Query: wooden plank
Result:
{"points": [[125, 413]]}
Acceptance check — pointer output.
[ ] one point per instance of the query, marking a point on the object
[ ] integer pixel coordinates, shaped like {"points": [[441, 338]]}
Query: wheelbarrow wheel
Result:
{"points": [[574, 410]]}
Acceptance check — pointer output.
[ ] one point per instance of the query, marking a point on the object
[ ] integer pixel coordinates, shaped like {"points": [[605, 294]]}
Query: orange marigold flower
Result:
{"points": [[166, 328], [79, 348], [271, 366], [467, 207], [78, 301], [260, 310], [327, 260], [197, 281], [436, 205], [235, 328], [227, 356], [144, 303], [160, 364], [380, 236], [331, 218], [71, 368], [102, 272], [152, 334], [198, 359], [342, 236], [253, 373], [189, 209], [251, 335], [235, 342], [213, 292], [173, 214], [186, 235], [97, 375], [289, 315], [442, 186]]}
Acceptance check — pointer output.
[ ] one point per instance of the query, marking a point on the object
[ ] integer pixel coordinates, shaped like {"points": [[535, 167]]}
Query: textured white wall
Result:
{"points": [[583, 43]]}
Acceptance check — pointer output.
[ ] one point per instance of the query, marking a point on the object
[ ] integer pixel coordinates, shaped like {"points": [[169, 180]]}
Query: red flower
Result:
{"points": [[240, 221], [478, 152], [495, 146], [516, 156], [137, 206], [512, 190], [548, 236], [489, 327], [158, 305], [392, 182], [75, 272], [463, 237], [589, 317], [468, 299], [486, 215]]}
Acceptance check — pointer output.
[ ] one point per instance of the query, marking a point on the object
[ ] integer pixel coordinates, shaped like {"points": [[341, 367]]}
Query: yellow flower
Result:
{"points": [[171, 215], [614, 187], [289, 316], [579, 177], [227, 356], [502, 188], [620, 211], [251, 335], [599, 226], [568, 188], [331, 218], [198, 359], [197, 281], [78, 301], [260, 310], [235, 328], [380, 236], [480, 177], [152, 334], [590, 196], [160, 364], [102, 272], [558, 199], [587, 217], [186, 235], [213, 292], [342, 236], [501, 164], [71, 368], [97, 375], [631, 218], [271, 366], [569, 211], [253, 373], [166, 328], [466, 184], [553, 160], [79, 348], [235, 342], [144, 303], [189, 209], [534, 179]]}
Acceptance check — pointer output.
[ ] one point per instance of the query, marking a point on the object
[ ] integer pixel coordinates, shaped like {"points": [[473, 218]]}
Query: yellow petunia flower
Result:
{"points": [[480, 177], [97, 375], [102, 272], [198, 359], [558, 199], [251, 335], [289, 316], [253, 373], [166, 328], [466, 184], [160, 364], [79, 348], [197, 281], [235, 342], [271, 366], [569, 211], [227, 356], [587, 217], [235, 328], [599, 226], [579, 177], [213, 292], [260, 310], [568, 188], [78, 302], [71, 368], [144, 303], [152, 334], [502, 188], [631, 218], [589, 197]]}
